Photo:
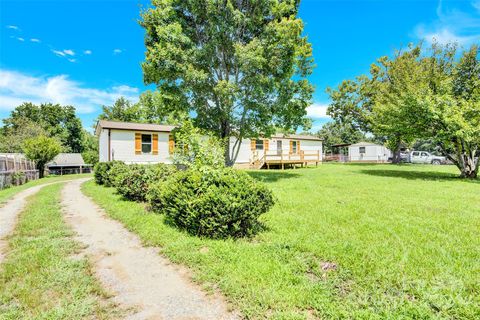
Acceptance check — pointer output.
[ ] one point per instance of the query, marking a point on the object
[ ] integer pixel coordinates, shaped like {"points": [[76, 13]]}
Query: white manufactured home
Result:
{"points": [[154, 143], [368, 152]]}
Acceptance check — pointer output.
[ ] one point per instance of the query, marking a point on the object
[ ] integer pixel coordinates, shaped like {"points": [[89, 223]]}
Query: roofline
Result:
{"points": [[99, 126], [294, 137]]}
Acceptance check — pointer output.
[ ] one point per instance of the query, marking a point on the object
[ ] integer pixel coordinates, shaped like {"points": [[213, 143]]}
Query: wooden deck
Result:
{"points": [[283, 160]]}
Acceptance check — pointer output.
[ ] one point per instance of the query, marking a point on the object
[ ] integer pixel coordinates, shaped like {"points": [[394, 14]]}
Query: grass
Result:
{"points": [[7, 193], [41, 277], [343, 241]]}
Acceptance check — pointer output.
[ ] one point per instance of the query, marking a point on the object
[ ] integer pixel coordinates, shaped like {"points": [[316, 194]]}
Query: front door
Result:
{"points": [[279, 146]]}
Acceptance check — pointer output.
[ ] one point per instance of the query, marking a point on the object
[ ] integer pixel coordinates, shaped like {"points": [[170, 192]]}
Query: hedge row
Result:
{"points": [[214, 203]]}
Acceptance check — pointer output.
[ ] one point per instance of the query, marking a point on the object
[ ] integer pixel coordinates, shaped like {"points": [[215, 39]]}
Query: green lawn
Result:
{"points": [[343, 241], [41, 277], [7, 193]]}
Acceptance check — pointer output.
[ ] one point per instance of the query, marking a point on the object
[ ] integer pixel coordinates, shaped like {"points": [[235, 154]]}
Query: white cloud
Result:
{"points": [[16, 88], [12, 27], [117, 51], [318, 111], [126, 89], [72, 60], [20, 39], [35, 40], [452, 25], [69, 52], [87, 52], [59, 53], [64, 53]]}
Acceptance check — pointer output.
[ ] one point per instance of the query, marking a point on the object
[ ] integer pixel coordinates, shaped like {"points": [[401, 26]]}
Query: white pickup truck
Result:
{"points": [[426, 158]]}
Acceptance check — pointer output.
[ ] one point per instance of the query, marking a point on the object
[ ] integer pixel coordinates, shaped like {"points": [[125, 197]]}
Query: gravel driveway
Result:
{"points": [[138, 276]]}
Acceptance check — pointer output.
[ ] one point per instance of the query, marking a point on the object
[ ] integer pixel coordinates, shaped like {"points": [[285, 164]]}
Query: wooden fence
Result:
{"points": [[16, 170]]}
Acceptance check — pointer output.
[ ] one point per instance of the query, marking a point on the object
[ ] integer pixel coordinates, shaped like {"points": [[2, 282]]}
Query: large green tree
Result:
{"points": [[12, 139], [42, 150], [121, 110], [240, 67], [430, 94], [55, 120], [152, 107]]}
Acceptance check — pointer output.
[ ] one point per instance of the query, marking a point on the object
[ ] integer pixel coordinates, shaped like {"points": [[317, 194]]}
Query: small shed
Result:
{"points": [[368, 152], [68, 163]]}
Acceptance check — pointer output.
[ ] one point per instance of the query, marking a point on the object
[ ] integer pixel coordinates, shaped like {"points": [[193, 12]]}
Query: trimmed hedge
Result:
{"points": [[214, 203], [133, 181]]}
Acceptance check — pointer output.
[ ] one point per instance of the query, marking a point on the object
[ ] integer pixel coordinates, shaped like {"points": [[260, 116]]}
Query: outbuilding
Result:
{"points": [[68, 163], [368, 152]]}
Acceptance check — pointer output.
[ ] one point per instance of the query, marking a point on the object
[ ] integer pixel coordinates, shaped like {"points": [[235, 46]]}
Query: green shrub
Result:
{"points": [[215, 203], [102, 172], [133, 181]]}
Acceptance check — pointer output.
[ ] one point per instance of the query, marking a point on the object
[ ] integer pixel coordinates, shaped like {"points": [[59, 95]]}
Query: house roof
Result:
{"points": [[67, 160], [106, 124], [364, 144], [296, 137]]}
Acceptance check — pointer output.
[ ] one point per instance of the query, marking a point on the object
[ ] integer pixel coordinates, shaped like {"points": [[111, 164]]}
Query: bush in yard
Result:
{"points": [[102, 172], [214, 203], [133, 181]]}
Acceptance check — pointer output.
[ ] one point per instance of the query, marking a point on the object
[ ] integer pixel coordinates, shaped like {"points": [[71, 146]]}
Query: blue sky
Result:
{"points": [[88, 53]]}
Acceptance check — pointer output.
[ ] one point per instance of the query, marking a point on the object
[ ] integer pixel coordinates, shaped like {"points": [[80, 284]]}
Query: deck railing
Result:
{"points": [[275, 157]]}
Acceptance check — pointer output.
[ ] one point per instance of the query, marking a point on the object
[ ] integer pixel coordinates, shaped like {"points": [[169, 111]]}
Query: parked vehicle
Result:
{"points": [[426, 158]]}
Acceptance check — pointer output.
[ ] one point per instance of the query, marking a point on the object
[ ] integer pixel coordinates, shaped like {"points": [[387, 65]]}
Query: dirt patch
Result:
{"points": [[139, 278]]}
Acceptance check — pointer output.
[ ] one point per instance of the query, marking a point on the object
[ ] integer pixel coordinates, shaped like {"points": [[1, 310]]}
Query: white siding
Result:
{"points": [[122, 143], [372, 153], [244, 154], [103, 145]]}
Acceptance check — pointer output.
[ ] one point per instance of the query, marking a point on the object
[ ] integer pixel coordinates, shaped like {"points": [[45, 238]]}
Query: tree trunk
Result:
{"points": [[396, 153], [226, 145], [468, 167], [41, 170], [225, 136]]}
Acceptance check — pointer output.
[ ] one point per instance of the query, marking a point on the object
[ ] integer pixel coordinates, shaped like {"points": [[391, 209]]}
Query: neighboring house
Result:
{"points": [[368, 152], [68, 163], [154, 143]]}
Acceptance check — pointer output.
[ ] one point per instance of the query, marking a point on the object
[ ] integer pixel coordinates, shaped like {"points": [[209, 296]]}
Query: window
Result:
{"points": [[146, 143], [294, 146], [415, 153], [258, 144], [362, 149], [424, 154]]}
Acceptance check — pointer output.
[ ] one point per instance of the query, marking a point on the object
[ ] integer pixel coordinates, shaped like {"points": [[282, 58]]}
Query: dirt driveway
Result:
{"points": [[138, 276]]}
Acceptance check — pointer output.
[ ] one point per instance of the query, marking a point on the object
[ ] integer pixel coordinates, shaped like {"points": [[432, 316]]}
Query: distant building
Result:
{"points": [[68, 163], [368, 152]]}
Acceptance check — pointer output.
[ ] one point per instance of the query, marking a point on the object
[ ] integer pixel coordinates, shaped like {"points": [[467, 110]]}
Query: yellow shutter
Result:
{"points": [[266, 145], [138, 143], [298, 146], [154, 144], [252, 144], [171, 144], [291, 146]]}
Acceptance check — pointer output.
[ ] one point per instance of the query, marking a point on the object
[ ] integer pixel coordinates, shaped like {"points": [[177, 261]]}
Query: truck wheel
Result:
{"points": [[436, 162]]}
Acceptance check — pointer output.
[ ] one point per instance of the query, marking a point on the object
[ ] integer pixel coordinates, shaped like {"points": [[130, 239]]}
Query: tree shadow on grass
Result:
{"points": [[273, 176], [418, 175]]}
